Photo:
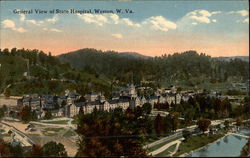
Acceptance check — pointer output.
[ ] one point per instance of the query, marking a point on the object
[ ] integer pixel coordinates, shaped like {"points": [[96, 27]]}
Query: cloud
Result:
{"points": [[216, 12], [22, 17], [160, 23], [52, 29], [246, 20], [100, 20], [117, 35], [241, 12], [55, 30], [11, 25], [214, 20], [154, 22], [202, 16], [53, 19], [8, 24], [38, 22], [21, 30], [130, 23], [96, 19], [194, 23]]}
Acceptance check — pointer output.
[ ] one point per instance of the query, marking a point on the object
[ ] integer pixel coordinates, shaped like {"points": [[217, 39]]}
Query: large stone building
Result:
{"points": [[70, 104]]}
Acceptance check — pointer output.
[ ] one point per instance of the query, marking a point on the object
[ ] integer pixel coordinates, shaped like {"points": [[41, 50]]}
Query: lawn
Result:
{"points": [[195, 142], [51, 131], [167, 151], [74, 122], [161, 144], [69, 133], [57, 122]]}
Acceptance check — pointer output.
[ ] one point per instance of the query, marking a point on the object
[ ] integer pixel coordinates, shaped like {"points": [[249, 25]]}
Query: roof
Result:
{"points": [[216, 96], [93, 103], [92, 93], [152, 97], [73, 95], [115, 95], [113, 101]]}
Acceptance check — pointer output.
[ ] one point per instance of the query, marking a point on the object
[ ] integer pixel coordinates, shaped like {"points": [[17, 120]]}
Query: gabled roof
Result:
{"points": [[92, 93], [73, 95], [152, 97], [93, 103]]}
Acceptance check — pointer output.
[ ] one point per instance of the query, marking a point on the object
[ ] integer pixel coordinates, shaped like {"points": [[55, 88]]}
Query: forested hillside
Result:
{"points": [[26, 71], [189, 67]]}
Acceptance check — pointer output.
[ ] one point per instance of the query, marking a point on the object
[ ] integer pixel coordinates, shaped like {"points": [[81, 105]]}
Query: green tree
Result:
{"points": [[168, 123], [53, 149], [110, 133], [146, 108], [226, 124], [26, 114], [63, 103], [186, 134]]}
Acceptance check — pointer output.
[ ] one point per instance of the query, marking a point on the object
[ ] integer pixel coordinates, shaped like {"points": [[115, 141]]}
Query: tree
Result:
{"points": [[7, 93], [25, 114], [186, 134], [81, 110], [175, 121], [36, 151], [53, 149], [1, 113], [168, 123], [17, 150], [238, 122], [203, 124], [159, 125], [63, 103], [4, 149], [146, 108], [109, 134], [226, 124], [47, 115]]}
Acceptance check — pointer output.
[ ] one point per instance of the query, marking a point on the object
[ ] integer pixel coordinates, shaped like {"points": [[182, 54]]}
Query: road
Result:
{"points": [[165, 147], [179, 133], [24, 139]]}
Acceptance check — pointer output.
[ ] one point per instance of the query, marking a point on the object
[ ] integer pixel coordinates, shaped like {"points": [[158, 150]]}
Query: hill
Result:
{"points": [[243, 58], [33, 71], [187, 68]]}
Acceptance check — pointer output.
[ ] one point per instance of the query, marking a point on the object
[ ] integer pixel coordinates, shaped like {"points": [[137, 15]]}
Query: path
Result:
{"points": [[24, 139], [240, 135], [165, 147], [176, 148]]}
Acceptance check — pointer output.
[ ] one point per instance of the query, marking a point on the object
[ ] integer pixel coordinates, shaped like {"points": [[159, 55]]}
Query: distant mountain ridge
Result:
{"points": [[183, 66], [243, 58], [138, 55], [133, 54], [123, 54]]}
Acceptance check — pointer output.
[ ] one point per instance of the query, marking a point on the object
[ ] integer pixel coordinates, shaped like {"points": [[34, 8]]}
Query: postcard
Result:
{"points": [[123, 78]]}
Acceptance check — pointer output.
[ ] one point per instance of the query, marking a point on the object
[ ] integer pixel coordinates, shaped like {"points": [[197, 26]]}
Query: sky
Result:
{"points": [[152, 28]]}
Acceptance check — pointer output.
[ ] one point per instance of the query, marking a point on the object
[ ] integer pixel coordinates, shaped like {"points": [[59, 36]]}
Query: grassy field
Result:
{"points": [[196, 142], [57, 122], [69, 133], [167, 151], [52, 131]]}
